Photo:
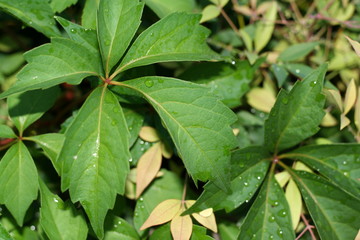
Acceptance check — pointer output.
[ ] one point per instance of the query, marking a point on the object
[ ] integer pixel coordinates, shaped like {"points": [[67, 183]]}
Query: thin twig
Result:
{"points": [[229, 21]]}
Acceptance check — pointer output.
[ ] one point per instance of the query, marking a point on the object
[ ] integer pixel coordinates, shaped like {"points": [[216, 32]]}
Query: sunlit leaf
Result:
{"points": [[148, 166], [293, 196], [329, 120], [181, 227], [61, 5], [88, 17], [203, 217], [162, 8], [220, 3], [166, 151], [344, 121], [265, 27], [209, 12], [117, 228], [149, 134]]}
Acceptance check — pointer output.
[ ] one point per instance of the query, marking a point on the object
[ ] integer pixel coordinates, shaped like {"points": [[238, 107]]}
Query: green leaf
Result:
{"points": [[11, 62], [249, 168], [269, 216], [134, 120], [166, 187], [198, 124], [336, 214], [61, 5], [228, 231], [95, 156], [163, 233], [59, 220], [117, 228], [117, 22], [4, 235], [36, 13], [18, 181], [88, 17], [298, 69], [340, 163], [210, 12], [297, 51], [199, 233], [280, 73], [265, 28], [177, 37], [51, 143], [70, 62], [26, 108], [163, 8], [296, 115], [6, 132]]}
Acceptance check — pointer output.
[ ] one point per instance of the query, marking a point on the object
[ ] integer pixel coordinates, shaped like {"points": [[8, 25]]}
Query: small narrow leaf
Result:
{"points": [[293, 196], [177, 37], [36, 13], [198, 124], [95, 156], [269, 217], [296, 115], [88, 17], [162, 213], [166, 151], [148, 166], [181, 227], [117, 22], [209, 12], [61, 5], [355, 45], [18, 181], [340, 222], [6, 132], [297, 51], [149, 134], [59, 220], [265, 27], [350, 96], [26, 108], [70, 62], [220, 3]]}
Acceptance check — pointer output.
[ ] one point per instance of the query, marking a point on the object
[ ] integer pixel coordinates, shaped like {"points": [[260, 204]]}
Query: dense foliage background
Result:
{"points": [[267, 111]]}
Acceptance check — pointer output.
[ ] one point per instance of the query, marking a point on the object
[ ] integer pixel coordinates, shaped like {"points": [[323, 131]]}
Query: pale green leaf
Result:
{"points": [[27, 107], [177, 37], [95, 156], [61, 5], [51, 144], [249, 168], [6, 132], [59, 220], [269, 217], [209, 12], [355, 45], [117, 22], [220, 3], [163, 8], [265, 27], [340, 163], [117, 228], [36, 13], [18, 181], [297, 51], [11, 62], [198, 124], [350, 96], [261, 99], [4, 235], [296, 115], [88, 17], [340, 222], [293, 196]]}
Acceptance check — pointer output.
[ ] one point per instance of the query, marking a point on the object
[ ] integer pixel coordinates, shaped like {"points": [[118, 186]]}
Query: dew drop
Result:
{"points": [[34, 77], [246, 184], [56, 200], [271, 219], [313, 83], [271, 237], [73, 30], [258, 178], [75, 157], [95, 154], [149, 83], [30, 22], [346, 173], [32, 228], [141, 199], [233, 62], [280, 232], [142, 142], [119, 222], [276, 203], [297, 70], [130, 160], [142, 149], [246, 200], [115, 226], [344, 162]]}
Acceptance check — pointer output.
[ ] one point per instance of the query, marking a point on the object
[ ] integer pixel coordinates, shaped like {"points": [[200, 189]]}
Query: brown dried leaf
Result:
{"points": [[181, 227]]}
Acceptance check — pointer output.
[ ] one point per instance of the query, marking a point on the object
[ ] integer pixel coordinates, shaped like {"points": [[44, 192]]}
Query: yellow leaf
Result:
{"points": [[355, 45], [293, 197], [148, 166], [207, 212], [236, 131], [181, 227], [329, 120], [205, 217], [149, 134], [162, 213], [261, 99], [130, 192], [357, 112], [350, 96], [209, 12], [302, 167], [335, 95], [282, 178], [357, 236], [166, 151], [344, 121]]}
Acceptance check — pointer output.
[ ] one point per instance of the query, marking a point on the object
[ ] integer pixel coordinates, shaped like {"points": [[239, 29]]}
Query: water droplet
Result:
{"points": [[346, 173], [130, 160], [254, 235], [285, 100], [271, 237], [276, 203], [149, 83], [233, 62], [32, 228], [271, 219], [30, 22], [142, 142], [282, 213], [240, 177], [246, 184], [146, 143], [119, 222], [142, 149], [73, 30], [75, 157], [95, 154], [34, 77], [142, 206], [258, 178], [246, 200], [344, 162], [280, 232], [297, 70], [141, 199], [94, 165], [115, 226], [313, 83], [56, 200]]}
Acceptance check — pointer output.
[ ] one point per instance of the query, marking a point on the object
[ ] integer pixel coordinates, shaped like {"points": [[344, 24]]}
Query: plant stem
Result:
{"points": [[229, 21], [308, 227], [184, 190]]}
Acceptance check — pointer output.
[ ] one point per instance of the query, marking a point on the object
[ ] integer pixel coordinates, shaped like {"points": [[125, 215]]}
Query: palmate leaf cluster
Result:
{"points": [[96, 154]]}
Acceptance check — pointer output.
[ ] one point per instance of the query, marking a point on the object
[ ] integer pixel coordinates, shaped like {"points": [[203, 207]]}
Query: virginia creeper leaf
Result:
{"points": [[296, 115], [117, 228], [60, 221], [95, 156], [117, 22], [88, 17], [297, 51], [249, 167], [61, 5], [51, 143], [340, 163], [181, 227], [148, 166], [177, 37], [70, 62], [37, 14], [18, 181], [320, 196], [269, 216], [6, 132], [163, 8], [198, 125], [27, 107]]}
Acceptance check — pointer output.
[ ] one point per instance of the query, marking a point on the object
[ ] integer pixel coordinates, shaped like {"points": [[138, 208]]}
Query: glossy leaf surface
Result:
{"points": [[198, 125], [118, 228], [6, 132], [163, 8], [95, 156], [18, 181], [61, 5], [296, 115]]}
